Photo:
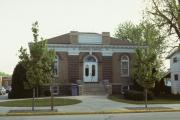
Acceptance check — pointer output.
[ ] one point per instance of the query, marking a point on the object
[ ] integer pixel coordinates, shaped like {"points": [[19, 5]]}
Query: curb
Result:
{"points": [[86, 113]]}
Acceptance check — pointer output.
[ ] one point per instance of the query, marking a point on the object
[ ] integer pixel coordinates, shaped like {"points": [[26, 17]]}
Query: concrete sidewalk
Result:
{"points": [[97, 104]]}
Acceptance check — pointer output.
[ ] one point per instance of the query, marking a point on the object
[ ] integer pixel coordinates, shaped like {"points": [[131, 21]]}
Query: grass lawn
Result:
{"points": [[155, 101], [39, 102]]}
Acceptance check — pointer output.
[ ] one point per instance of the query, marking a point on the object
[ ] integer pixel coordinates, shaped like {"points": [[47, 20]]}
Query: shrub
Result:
{"points": [[18, 80], [137, 95], [170, 96], [47, 93], [24, 94]]}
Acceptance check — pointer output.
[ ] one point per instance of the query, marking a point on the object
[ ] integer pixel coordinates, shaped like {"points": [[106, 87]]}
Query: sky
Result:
{"points": [[57, 17]]}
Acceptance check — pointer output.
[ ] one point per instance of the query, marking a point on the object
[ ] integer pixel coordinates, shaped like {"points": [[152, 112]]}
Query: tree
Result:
{"points": [[129, 31], [144, 33], [3, 74], [145, 60], [144, 70], [166, 15], [38, 62]]}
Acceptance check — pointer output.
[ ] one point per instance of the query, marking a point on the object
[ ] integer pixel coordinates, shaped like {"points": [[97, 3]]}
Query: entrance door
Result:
{"points": [[90, 69]]}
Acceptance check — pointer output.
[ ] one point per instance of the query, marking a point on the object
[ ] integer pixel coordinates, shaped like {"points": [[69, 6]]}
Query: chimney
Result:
{"points": [[74, 37], [107, 34], [106, 38]]}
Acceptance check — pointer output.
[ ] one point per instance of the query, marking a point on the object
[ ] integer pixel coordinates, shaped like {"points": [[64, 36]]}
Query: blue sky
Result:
{"points": [[57, 17]]}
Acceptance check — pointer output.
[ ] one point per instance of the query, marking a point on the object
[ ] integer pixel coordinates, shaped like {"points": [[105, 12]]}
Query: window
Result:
{"points": [[124, 66], [90, 59], [176, 77], [55, 89], [175, 60], [56, 64]]}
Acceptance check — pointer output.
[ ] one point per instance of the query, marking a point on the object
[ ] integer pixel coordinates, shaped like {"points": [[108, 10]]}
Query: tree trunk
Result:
{"points": [[145, 95], [37, 95], [33, 100], [52, 99], [37, 92]]}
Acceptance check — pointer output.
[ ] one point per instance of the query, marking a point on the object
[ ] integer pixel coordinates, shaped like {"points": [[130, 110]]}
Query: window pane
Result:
{"points": [[176, 77], [55, 68], [90, 59], [124, 65], [55, 89], [124, 58], [56, 65], [93, 70], [87, 70], [124, 72], [175, 60]]}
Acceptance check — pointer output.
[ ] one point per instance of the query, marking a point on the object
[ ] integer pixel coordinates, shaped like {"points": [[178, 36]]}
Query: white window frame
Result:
{"points": [[89, 64], [125, 60], [55, 87]]}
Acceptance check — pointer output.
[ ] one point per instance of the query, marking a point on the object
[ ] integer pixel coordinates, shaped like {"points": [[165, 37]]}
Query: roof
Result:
{"points": [[66, 39], [167, 74], [62, 39], [115, 41], [174, 51]]}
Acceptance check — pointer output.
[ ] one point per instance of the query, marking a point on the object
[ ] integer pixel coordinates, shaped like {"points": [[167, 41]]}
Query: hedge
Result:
{"points": [[137, 95]]}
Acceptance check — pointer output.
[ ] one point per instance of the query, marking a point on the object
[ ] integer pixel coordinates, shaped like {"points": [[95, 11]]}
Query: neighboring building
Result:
{"points": [[0, 81], [175, 70], [97, 63], [167, 79], [6, 82]]}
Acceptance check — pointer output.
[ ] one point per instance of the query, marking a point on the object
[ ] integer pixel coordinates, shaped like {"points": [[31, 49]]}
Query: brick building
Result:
{"points": [[97, 63]]}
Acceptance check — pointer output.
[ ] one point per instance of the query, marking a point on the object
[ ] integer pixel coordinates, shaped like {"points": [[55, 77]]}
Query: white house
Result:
{"points": [[175, 70]]}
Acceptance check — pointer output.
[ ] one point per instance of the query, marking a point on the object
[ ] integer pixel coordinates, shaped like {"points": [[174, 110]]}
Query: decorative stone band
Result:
{"points": [[106, 50]]}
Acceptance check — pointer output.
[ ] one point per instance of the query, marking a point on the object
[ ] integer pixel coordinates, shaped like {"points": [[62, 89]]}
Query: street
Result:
{"points": [[129, 116]]}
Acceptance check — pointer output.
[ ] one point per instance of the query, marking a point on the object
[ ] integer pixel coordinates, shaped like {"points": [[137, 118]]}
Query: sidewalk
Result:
{"points": [[97, 105]]}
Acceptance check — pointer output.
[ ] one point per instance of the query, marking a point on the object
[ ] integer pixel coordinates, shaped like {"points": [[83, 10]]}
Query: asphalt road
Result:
{"points": [[129, 116]]}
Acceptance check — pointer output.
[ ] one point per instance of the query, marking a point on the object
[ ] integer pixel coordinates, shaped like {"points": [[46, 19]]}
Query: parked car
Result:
{"points": [[8, 89], [2, 90]]}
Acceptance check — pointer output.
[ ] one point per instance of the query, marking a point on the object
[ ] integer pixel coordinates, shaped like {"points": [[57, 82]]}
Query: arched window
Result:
{"points": [[56, 66], [125, 66], [90, 59]]}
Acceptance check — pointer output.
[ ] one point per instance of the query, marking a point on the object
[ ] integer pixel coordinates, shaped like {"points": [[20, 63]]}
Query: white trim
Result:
{"points": [[90, 64], [94, 46], [73, 53], [57, 60], [107, 53], [53, 89], [107, 50]]}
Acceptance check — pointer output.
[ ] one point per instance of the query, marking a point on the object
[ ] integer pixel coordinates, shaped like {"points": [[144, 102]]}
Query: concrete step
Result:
{"points": [[93, 89]]}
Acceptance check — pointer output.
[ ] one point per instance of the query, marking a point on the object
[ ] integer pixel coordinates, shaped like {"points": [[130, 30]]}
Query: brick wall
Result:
{"points": [[73, 68], [107, 68]]}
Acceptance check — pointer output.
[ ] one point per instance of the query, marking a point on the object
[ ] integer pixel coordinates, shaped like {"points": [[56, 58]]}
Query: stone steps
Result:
{"points": [[93, 89]]}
